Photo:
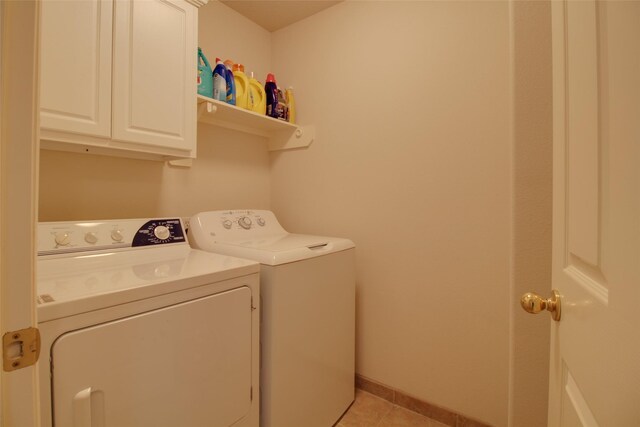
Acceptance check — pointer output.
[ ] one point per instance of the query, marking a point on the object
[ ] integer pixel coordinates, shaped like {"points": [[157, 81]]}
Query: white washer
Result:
{"points": [[140, 330], [308, 313]]}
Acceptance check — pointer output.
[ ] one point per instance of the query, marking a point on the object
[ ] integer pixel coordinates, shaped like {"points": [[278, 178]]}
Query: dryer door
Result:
{"points": [[184, 365]]}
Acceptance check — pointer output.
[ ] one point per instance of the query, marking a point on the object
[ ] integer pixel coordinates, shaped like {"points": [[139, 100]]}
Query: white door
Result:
{"points": [[185, 365], [595, 350], [155, 52], [18, 199], [76, 71]]}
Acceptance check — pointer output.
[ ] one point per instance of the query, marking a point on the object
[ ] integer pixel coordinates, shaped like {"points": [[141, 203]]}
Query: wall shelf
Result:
{"points": [[280, 135]]}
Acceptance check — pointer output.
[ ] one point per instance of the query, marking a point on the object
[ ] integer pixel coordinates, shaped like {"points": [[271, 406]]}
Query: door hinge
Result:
{"points": [[20, 349]]}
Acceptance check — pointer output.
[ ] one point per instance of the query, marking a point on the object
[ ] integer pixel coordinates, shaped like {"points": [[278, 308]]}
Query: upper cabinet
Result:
{"points": [[154, 73], [119, 77], [75, 75]]}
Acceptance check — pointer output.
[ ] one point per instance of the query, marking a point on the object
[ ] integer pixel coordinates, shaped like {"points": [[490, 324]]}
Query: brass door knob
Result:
{"points": [[534, 304]]}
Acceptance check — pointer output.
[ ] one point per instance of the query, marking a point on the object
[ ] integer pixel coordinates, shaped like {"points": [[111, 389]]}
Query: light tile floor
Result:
{"points": [[371, 411]]}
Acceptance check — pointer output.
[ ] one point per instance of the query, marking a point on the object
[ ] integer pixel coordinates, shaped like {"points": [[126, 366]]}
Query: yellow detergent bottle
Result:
{"points": [[242, 86], [257, 96], [291, 104]]}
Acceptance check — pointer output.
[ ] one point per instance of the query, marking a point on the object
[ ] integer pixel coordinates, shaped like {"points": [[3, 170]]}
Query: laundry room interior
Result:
{"points": [[432, 152]]}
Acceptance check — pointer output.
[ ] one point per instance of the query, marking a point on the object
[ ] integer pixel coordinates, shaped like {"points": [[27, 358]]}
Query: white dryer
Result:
{"points": [[308, 313], [140, 330]]}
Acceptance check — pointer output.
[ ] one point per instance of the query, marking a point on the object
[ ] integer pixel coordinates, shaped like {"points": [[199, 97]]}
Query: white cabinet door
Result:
{"points": [[189, 364], [154, 83], [76, 66]]}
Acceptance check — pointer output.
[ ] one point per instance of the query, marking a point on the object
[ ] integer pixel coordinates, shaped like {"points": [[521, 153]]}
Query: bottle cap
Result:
{"points": [[271, 78], [237, 67], [229, 63]]}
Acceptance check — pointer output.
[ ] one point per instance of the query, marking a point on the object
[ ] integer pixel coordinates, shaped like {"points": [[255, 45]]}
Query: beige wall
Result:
{"points": [[231, 171], [532, 167], [413, 160], [432, 153], [228, 35]]}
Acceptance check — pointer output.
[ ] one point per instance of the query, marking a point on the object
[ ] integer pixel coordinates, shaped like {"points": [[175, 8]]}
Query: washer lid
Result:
{"points": [[280, 249], [78, 284], [257, 235]]}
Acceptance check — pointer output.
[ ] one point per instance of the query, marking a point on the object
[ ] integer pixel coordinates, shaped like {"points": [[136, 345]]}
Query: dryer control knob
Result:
{"points": [[245, 222], [62, 238], [116, 235], [261, 222], [227, 224], [91, 237], [162, 232]]}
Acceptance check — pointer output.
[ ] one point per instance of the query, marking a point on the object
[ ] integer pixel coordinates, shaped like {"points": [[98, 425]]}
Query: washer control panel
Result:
{"points": [[242, 220], [68, 237], [233, 225]]}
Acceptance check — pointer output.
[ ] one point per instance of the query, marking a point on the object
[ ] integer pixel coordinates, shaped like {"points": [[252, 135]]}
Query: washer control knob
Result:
{"points": [[90, 237], [116, 235], [261, 222], [227, 224], [62, 238], [245, 222], [162, 232]]}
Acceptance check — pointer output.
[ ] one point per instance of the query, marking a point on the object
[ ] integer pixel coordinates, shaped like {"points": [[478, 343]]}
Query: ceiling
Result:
{"points": [[275, 14]]}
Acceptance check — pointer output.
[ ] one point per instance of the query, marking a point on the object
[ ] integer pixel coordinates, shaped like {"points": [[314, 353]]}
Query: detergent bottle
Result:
{"points": [[281, 108], [205, 76], [271, 90], [231, 85], [220, 81], [242, 86], [291, 105], [257, 96]]}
